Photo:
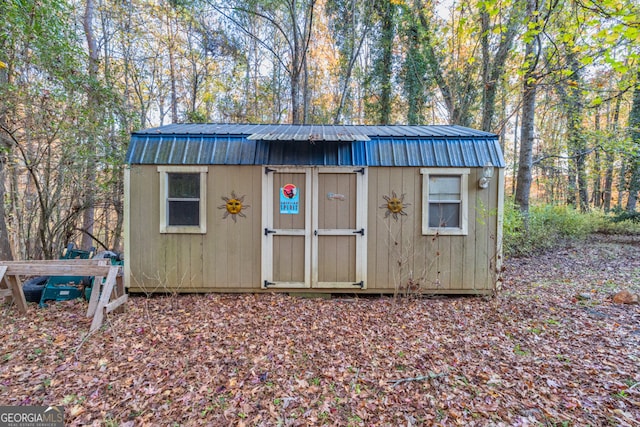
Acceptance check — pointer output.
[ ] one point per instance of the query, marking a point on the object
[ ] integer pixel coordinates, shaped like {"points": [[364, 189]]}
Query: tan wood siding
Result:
{"points": [[228, 256], [469, 247], [399, 252], [232, 249]]}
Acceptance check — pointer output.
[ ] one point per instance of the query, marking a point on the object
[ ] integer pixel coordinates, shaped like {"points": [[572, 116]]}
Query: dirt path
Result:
{"points": [[537, 354]]}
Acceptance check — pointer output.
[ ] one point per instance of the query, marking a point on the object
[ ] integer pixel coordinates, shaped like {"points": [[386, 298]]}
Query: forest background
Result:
{"points": [[557, 80]]}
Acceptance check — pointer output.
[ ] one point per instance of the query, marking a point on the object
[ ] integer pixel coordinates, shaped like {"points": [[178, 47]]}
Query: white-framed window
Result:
{"points": [[183, 203], [445, 200]]}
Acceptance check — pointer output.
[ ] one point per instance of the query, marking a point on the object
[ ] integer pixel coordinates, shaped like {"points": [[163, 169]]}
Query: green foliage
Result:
{"points": [[549, 225], [617, 222], [197, 116], [620, 215], [546, 227]]}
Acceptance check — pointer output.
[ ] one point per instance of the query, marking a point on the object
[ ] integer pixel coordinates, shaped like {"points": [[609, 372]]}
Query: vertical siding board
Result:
{"points": [[135, 255], [410, 243], [169, 263], [231, 231], [256, 223], [396, 245], [433, 257], [469, 274], [455, 261], [444, 261], [208, 267], [492, 224], [186, 254], [148, 272], [372, 232], [382, 261], [218, 237], [252, 229], [196, 262], [420, 252], [208, 242], [482, 236]]}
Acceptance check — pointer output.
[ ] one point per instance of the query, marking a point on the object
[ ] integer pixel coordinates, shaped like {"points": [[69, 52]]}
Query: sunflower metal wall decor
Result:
{"points": [[234, 206], [394, 205]]}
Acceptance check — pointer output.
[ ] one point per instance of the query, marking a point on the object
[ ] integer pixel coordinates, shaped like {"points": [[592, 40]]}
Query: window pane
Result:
{"points": [[184, 185], [444, 187], [444, 215], [184, 212]]}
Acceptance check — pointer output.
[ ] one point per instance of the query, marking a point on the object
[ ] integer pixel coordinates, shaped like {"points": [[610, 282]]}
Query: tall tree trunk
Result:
{"points": [[414, 72], [5, 145], [525, 162], [514, 178], [493, 68], [353, 50], [529, 89], [5, 243], [459, 91], [597, 166], [608, 180], [90, 175], [299, 44], [386, 63], [172, 66], [576, 141], [634, 127]]}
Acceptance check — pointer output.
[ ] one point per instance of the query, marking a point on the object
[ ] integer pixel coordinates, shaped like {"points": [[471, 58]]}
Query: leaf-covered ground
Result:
{"points": [[538, 354]]}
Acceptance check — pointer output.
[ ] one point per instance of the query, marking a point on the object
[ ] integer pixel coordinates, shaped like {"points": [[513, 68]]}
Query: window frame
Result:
{"points": [[463, 173], [165, 227]]}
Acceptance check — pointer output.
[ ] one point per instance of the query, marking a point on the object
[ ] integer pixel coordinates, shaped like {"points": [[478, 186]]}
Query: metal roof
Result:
{"points": [[230, 144]]}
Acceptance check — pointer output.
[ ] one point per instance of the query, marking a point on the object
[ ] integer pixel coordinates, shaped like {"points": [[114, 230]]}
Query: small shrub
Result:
{"points": [[545, 227], [623, 227], [618, 222], [620, 215]]}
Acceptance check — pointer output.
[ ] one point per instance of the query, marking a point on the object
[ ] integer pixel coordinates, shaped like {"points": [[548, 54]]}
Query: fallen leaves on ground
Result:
{"points": [[537, 354]]}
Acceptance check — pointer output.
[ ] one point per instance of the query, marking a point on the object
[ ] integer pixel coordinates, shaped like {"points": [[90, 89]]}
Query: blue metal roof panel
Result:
{"points": [[385, 152], [190, 144], [413, 152], [399, 149], [455, 154]]}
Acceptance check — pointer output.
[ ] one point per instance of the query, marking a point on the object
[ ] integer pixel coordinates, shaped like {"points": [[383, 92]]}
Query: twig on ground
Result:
{"points": [[355, 380], [430, 376], [86, 337]]}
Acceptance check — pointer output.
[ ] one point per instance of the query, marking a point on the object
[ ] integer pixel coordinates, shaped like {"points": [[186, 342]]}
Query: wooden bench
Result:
{"points": [[100, 302]]}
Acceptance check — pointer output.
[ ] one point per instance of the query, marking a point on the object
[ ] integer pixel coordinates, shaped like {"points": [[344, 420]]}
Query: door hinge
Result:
{"points": [[268, 283], [360, 171], [360, 284], [267, 231], [267, 170], [361, 232]]}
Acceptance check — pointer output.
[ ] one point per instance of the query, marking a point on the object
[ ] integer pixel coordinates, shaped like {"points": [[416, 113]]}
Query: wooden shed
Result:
{"points": [[307, 208]]}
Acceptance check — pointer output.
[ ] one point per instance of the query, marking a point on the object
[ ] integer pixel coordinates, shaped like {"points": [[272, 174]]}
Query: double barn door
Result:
{"points": [[314, 224]]}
